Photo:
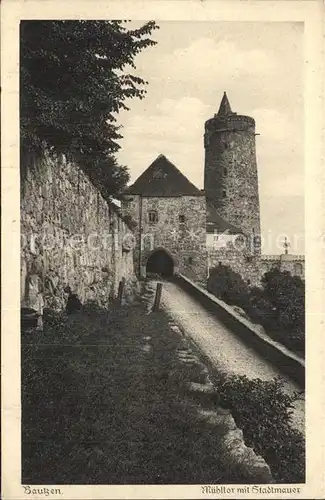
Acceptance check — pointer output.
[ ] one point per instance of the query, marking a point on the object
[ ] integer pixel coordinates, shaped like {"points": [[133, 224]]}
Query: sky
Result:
{"points": [[260, 66]]}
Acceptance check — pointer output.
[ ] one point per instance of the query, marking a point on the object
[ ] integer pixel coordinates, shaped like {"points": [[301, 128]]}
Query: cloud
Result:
{"points": [[279, 152], [277, 125], [206, 60], [174, 128], [187, 74], [175, 120], [288, 185]]}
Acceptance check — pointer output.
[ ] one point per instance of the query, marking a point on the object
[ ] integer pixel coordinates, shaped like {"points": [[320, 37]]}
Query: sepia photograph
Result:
{"points": [[162, 253]]}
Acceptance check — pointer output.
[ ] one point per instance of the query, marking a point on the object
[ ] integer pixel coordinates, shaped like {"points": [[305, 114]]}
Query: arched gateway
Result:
{"points": [[160, 262]]}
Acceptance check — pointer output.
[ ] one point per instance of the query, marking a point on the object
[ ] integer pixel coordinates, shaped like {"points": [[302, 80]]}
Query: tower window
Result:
{"points": [[224, 193], [225, 171], [190, 260], [153, 216], [182, 219]]}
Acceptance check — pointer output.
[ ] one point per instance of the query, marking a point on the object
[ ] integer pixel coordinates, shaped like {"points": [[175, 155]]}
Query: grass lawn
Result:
{"points": [[99, 405]]}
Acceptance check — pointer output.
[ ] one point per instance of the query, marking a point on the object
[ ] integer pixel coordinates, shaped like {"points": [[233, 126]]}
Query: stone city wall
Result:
{"points": [[253, 267], [247, 265], [70, 236]]}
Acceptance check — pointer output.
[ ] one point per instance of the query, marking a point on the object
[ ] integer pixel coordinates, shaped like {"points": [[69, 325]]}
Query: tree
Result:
{"points": [[261, 310], [73, 81], [286, 293], [228, 286]]}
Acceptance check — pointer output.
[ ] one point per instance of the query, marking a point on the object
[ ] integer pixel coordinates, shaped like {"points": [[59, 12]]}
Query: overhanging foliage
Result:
{"points": [[74, 80]]}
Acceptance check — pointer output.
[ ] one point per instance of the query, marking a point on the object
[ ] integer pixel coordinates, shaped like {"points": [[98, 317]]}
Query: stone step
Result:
{"points": [[201, 388]]}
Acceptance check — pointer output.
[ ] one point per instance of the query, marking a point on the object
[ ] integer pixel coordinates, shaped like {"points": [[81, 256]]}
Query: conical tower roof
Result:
{"points": [[225, 108]]}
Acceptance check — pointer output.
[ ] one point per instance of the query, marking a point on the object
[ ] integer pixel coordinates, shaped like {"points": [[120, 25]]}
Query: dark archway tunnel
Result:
{"points": [[161, 263]]}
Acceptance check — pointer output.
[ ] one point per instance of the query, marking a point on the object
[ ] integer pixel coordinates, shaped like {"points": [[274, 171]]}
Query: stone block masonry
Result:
{"points": [[184, 240], [70, 236], [230, 173], [253, 267]]}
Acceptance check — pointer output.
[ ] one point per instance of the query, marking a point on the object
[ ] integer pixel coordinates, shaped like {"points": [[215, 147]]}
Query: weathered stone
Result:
{"points": [[211, 417], [230, 175], [176, 329], [201, 388], [73, 233], [252, 268], [259, 328], [184, 350], [147, 348], [240, 311], [188, 361], [184, 242], [256, 466], [234, 441], [184, 354], [237, 454]]}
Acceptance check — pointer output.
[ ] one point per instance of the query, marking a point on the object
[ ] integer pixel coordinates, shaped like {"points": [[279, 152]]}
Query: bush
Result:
{"points": [[260, 309], [279, 305], [282, 308], [228, 286], [286, 293], [264, 412]]}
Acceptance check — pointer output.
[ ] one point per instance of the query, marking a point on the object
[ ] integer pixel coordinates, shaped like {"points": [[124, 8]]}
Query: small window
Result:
{"points": [[190, 260], [224, 193], [182, 219], [153, 216], [225, 172]]}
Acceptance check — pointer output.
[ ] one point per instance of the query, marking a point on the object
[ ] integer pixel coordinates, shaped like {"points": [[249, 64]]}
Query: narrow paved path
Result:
{"points": [[227, 351]]}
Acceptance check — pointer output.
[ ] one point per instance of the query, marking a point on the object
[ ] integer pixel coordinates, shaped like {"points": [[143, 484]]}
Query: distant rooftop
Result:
{"points": [[162, 178]]}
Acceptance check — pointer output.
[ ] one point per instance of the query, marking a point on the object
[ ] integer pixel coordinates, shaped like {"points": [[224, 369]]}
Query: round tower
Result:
{"points": [[230, 173]]}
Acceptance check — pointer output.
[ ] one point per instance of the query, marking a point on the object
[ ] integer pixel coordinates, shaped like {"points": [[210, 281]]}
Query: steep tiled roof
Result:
{"points": [[216, 223], [162, 178]]}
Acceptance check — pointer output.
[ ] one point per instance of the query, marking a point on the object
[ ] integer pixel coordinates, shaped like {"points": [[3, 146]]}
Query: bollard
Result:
{"points": [[157, 297], [120, 290]]}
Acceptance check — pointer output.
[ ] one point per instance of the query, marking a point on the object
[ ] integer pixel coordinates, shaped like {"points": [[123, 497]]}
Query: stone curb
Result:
{"points": [[235, 454]]}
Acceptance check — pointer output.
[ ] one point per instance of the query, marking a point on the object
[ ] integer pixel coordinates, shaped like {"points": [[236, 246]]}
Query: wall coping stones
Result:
{"points": [[278, 257], [287, 361]]}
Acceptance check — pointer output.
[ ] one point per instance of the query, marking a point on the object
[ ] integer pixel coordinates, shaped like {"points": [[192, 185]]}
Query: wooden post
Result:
{"points": [[157, 297], [120, 290]]}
